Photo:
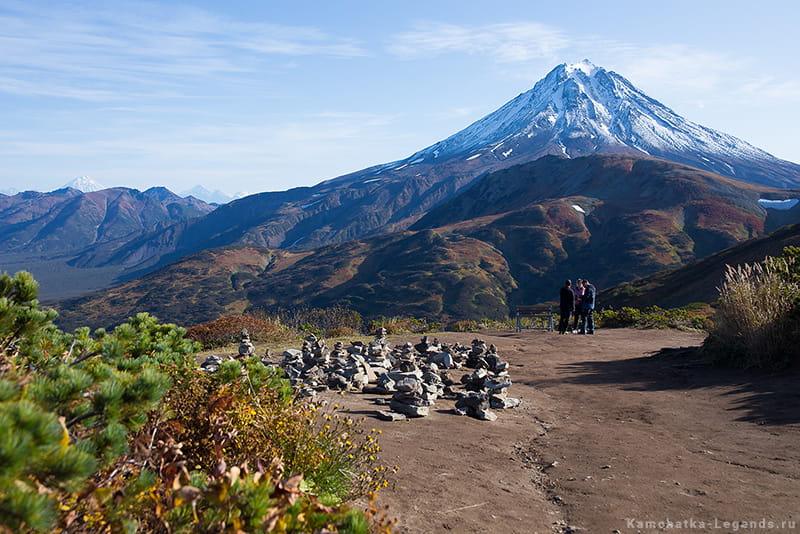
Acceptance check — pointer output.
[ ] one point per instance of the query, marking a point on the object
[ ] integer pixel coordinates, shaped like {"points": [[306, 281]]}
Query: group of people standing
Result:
{"points": [[577, 301]]}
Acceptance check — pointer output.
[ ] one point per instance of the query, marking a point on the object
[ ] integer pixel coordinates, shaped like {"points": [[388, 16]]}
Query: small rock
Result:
{"points": [[384, 415], [408, 409]]}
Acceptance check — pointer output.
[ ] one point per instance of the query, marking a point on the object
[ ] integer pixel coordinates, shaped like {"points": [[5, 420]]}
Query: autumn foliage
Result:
{"points": [[111, 432]]}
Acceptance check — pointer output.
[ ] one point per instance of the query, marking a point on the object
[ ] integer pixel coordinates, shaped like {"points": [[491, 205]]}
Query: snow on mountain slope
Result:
{"points": [[582, 109]]}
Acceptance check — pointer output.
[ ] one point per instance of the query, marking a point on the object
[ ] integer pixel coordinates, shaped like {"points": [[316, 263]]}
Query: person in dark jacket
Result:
{"points": [[577, 289], [567, 305], [587, 308]]}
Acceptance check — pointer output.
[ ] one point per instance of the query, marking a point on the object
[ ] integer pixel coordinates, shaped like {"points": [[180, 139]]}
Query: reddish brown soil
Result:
{"points": [[614, 434]]}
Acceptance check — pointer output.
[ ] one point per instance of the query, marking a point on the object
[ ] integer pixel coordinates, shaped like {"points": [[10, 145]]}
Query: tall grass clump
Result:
{"points": [[333, 321], [404, 325], [757, 323]]}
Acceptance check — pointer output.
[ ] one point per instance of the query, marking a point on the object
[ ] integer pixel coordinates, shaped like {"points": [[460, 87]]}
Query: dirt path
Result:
{"points": [[614, 434]]}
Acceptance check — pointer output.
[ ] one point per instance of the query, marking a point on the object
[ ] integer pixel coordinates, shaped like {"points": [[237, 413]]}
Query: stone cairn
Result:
{"points": [[415, 376], [246, 350]]}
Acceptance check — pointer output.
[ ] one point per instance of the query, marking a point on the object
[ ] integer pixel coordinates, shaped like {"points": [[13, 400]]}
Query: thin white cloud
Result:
{"points": [[130, 47], [771, 88], [668, 67], [678, 66], [511, 42]]}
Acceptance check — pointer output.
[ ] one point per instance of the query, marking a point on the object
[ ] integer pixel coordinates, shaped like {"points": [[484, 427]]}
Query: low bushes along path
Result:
{"points": [[617, 432]]}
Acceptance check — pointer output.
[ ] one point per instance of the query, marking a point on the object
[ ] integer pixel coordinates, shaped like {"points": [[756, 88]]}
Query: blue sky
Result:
{"points": [[262, 95]]}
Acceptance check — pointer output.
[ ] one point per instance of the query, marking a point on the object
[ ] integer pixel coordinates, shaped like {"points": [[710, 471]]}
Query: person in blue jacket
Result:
{"points": [[587, 308]]}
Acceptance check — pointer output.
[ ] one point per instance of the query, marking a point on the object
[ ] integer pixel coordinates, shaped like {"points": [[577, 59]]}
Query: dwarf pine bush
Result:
{"points": [[119, 432]]}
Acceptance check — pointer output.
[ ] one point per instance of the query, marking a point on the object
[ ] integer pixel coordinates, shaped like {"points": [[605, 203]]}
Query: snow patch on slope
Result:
{"points": [[787, 204]]}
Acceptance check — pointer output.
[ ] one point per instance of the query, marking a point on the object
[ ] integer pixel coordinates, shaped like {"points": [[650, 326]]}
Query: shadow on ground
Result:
{"points": [[770, 399]]}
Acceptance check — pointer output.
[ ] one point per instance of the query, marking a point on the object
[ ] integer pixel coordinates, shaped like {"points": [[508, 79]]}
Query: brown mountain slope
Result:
{"points": [[610, 218], [202, 287], [419, 273], [698, 281]]}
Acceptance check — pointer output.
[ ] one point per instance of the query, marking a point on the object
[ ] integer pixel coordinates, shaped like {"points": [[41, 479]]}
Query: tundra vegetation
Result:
{"points": [[119, 432]]}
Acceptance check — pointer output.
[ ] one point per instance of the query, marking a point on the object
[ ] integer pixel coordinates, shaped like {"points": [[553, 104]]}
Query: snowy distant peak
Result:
{"points": [[84, 184], [205, 195]]}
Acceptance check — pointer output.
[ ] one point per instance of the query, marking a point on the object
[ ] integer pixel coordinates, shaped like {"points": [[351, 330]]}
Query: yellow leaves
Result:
{"points": [[64, 442], [187, 494]]}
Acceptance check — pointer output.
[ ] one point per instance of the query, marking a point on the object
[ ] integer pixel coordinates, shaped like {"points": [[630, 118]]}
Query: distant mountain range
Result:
{"points": [[85, 184], [511, 238], [67, 221], [44, 232], [583, 175]]}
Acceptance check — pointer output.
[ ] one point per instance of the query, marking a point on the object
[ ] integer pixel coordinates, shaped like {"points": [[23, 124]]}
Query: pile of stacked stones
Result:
{"points": [[246, 350], [414, 375]]}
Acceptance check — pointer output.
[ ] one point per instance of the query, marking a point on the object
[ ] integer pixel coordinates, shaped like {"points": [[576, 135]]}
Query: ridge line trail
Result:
{"points": [[613, 434]]}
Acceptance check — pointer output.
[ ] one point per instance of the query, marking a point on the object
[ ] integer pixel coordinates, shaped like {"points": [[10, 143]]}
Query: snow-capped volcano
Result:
{"points": [[84, 184], [583, 109]]}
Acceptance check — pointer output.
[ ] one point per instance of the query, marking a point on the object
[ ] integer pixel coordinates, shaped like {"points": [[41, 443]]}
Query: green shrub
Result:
{"points": [[119, 432], [652, 317], [404, 325], [69, 402]]}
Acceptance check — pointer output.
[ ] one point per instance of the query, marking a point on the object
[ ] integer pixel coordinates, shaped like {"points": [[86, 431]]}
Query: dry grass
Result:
{"points": [[755, 324]]}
